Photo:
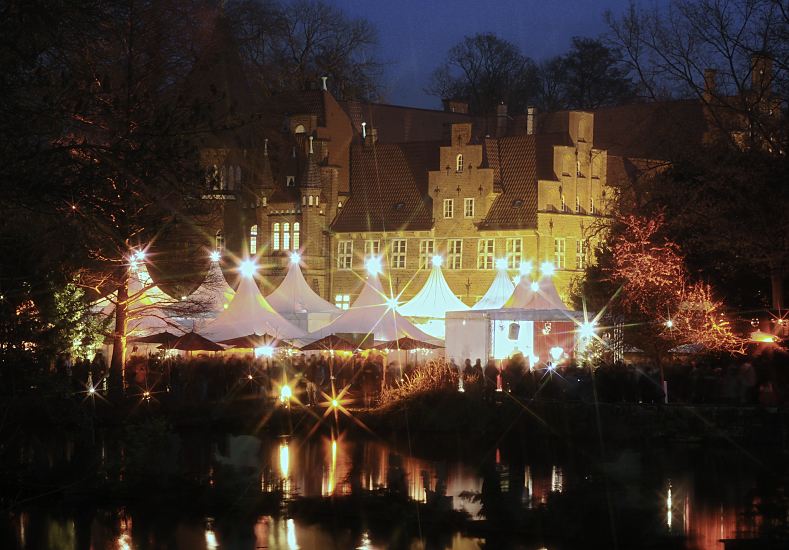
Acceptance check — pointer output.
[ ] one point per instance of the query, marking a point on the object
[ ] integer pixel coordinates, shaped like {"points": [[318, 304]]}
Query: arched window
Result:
{"points": [[253, 239], [296, 235], [286, 236], [317, 200], [219, 241], [275, 236], [310, 200], [459, 163], [299, 129]]}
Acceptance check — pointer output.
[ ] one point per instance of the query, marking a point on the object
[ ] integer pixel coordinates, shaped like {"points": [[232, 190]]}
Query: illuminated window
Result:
{"points": [[580, 254], [485, 252], [455, 254], [372, 248], [564, 204], [591, 206], [275, 236], [577, 204], [317, 200], [514, 253], [459, 163], [286, 236], [290, 181], [310, 200], [449, 208], [344, 254], [253, 239], [559, 252], [398, 253], [342, 301], [219, 241], [468, 207], [299, 129], [296, 235], [427, 249]]}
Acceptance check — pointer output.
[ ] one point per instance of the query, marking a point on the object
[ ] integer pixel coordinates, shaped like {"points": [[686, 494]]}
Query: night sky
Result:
{"points": [[415, 35]]}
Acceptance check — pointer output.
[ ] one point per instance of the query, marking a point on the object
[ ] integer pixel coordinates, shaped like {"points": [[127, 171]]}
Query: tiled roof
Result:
{"points": [[389, 188], [516, 206]]}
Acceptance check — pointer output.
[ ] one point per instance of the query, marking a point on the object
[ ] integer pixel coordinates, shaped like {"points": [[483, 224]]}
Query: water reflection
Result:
{"points": [[679, 495]]}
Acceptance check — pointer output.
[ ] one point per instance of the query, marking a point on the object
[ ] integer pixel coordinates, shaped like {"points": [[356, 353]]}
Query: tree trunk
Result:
{"points": [[117, 375], [777, 288]]}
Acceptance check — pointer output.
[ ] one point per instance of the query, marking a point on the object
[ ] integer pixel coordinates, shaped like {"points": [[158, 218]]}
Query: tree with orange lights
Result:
{"points": [[657, 292]]}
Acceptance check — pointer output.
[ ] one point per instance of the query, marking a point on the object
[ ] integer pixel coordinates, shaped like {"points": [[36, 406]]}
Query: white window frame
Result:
{"points": [[219, 241], [591, 206], [342, 301], [449, 208], [560, 252], [455, 254], [486, 253], [427, 249], [253, 239], [286, 236], [468, 207], [514, 247], [275, 236], [459, 163], [581, 253], [344, 255], [372, 248], [398, 250], [296, 235]]}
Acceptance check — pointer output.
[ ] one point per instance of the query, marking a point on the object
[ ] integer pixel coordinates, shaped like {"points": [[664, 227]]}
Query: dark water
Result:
{"points": [[689, 497]]}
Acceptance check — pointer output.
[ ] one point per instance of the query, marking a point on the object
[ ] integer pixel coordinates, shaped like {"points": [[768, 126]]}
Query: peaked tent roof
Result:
{"points": [[247, 313], [545, 297], [499, 292], [370, 314], [434, 299], [214, 294], [294, 295]]}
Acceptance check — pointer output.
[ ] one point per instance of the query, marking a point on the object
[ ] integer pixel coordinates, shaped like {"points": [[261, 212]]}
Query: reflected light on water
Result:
{"points": [[291, 535], [557, 479], [366, 544], [284, 466], [668, 508]]}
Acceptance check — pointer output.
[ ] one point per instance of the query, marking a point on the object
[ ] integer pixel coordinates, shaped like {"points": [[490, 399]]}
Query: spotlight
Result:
{"points": [[215, 256], [248, 268], [373, 265], [501, 263], [524, 268], [547, 269], [437, 261], [295, 258]]}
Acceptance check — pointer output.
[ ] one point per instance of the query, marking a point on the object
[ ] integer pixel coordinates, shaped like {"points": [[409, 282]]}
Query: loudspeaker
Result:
{"points": [[515, 330]]}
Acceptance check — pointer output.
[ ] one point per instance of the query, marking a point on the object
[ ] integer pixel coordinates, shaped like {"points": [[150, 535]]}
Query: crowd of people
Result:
{"points": [[315, 379]]}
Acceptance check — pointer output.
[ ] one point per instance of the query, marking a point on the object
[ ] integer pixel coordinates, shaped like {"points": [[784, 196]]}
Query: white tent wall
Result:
{"points": [[467, 336], [498, 293]]}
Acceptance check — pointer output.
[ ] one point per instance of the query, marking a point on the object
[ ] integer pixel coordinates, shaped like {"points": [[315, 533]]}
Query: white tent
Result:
{"points": [[373, 313], [534, 295], [429, 306], [247, 313], [214, 294], [295, 300], [499, 292]]}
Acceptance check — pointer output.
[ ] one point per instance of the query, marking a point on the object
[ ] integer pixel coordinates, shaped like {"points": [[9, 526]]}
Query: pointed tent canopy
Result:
{"points": [[248, 313], [434, 299], [531, 295], [371, 313], [294, 295], [499, 292], [191, 341], [214, 294]]}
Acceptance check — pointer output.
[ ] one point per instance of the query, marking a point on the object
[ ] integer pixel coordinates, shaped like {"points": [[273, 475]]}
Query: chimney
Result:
{"points": [[455, 106], [501, 119], [531, 113], [761, 73], [371, 137], [710, 84]]}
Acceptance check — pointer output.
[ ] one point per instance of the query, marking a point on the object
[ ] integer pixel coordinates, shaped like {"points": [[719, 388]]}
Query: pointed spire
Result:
{"points": [[266, 176]]}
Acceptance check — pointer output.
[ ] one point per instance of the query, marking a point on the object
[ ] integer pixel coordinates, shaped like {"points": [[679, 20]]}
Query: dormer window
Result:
{"points": [[459, 163], [290, 181]]}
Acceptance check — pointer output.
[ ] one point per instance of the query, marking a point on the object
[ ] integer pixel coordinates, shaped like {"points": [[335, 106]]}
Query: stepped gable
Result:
{"points": [[516, 206], [389, 188]]}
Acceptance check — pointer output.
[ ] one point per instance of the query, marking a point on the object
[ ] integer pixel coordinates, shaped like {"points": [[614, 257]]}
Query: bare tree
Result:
{"points": [[486, 70], [730, 55]]}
